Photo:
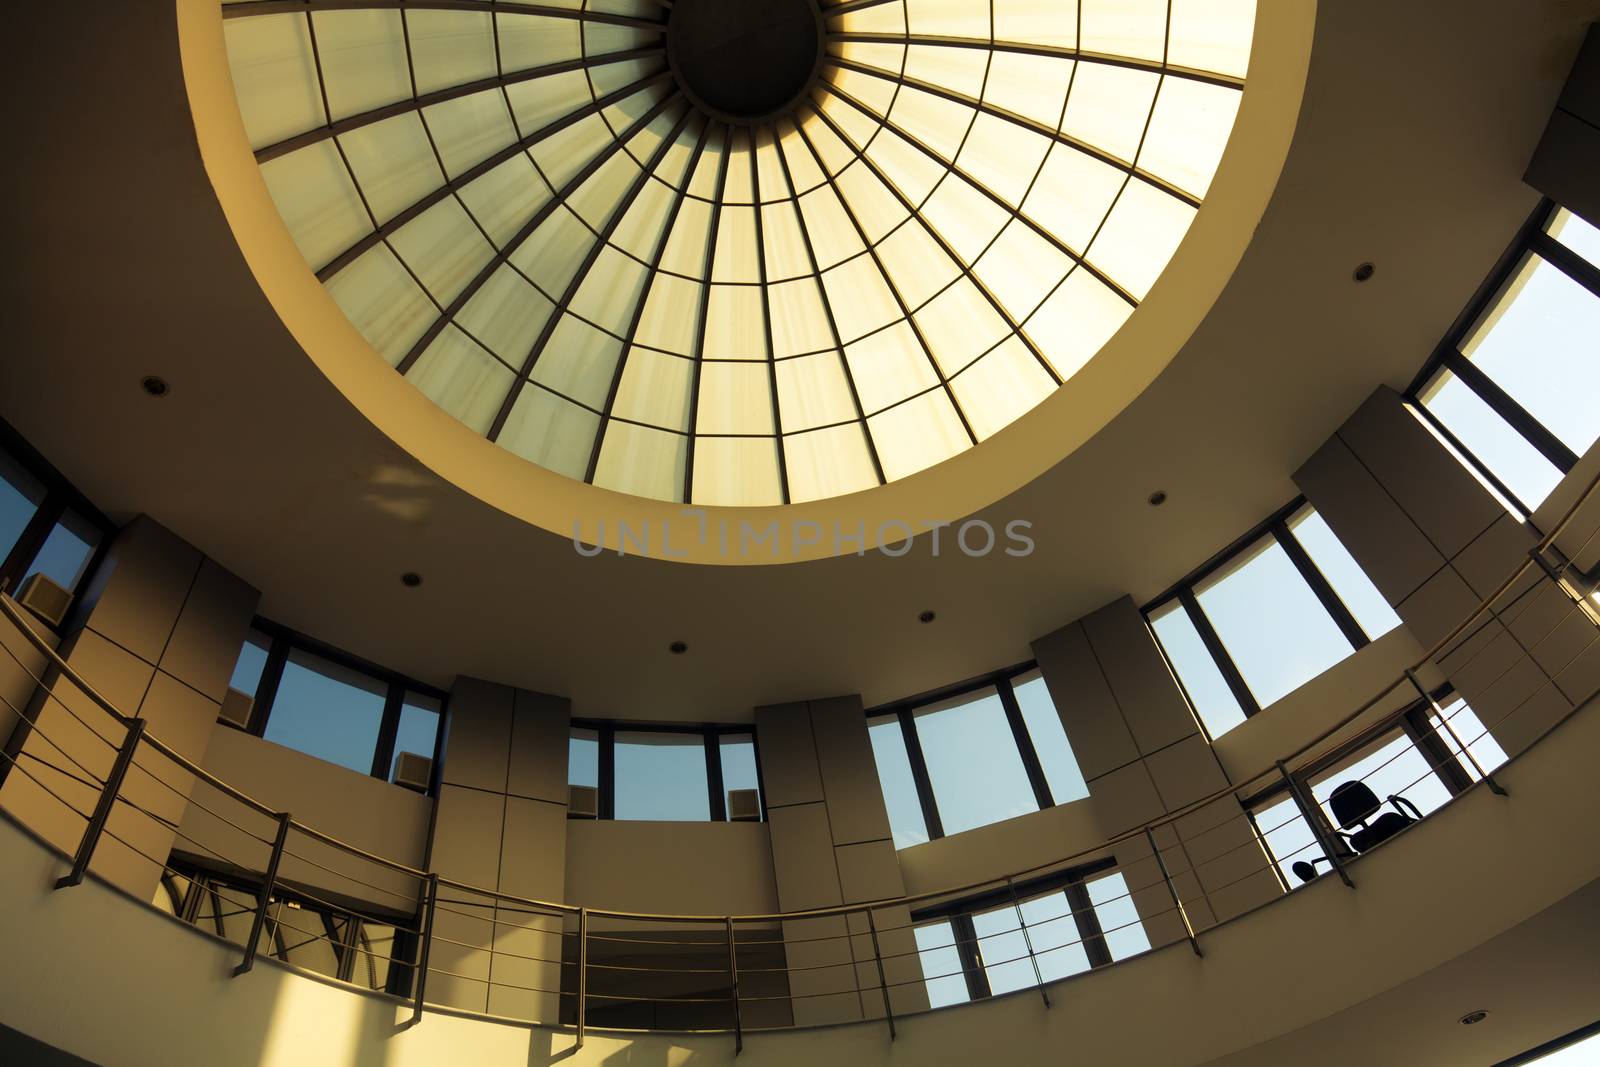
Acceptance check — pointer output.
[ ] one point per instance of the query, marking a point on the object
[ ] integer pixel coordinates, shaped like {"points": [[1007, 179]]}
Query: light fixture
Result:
{"points": [[1472, 1017], [155, 386], [1363, 272], [926, 617], [411, 579], [1158, 498], [678, 648]]}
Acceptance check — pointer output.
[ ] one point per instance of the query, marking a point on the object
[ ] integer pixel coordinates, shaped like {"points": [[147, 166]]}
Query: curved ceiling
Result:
{"points": [[738, 253], [1409, 153]]}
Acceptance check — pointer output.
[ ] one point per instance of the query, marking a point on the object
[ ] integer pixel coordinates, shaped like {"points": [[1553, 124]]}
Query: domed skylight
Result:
{"points": [[738, 251]]}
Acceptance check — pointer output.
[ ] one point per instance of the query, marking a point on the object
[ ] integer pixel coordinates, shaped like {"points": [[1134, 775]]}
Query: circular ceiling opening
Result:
{"points": [[745, 61]]}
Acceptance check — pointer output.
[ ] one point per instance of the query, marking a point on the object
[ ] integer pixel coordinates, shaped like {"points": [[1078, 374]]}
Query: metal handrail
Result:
{"points": [[1366, 733]]}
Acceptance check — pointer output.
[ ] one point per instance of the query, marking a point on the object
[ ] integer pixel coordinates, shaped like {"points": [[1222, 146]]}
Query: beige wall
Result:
{"points": [[20, 664], [693, 868], [162, 630]]}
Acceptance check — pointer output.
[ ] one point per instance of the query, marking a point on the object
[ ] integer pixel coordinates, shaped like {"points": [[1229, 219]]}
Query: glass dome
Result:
{"points": [[738, 252]]}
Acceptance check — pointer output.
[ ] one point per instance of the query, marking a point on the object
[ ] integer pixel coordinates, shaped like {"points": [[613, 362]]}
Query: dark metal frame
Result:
{"points": [[905, 712], [1275, 528], [284, 641], [1532, 239], [711, 735], [1072, 881]]}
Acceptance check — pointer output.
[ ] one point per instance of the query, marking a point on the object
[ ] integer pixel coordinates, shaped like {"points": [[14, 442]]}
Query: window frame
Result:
{"points": [[1074, 882], [60, 497], [1531, 238], [1276, 527], [1001, 680], [711, 735], [284, 640]]}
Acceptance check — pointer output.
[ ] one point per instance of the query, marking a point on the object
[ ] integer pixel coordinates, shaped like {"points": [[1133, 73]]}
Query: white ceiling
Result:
{"points": [[1418, 120]]}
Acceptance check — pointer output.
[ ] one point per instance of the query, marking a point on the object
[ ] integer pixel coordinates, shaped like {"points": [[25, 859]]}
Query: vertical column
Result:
{"points": [[1435, 542], [161, 633]]}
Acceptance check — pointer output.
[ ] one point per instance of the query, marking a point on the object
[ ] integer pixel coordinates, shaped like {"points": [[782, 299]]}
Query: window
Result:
{"points": [[332, 706], [977, 755], [1267, 616], [664, 774], [1505, 390], [45, 526], [1062, 924], [1419, 762]]}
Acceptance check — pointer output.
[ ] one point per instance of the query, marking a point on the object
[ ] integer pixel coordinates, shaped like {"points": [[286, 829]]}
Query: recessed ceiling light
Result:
{"points": [[926, 617], [411, 579], [1473, 1017], [1158, 498], [154, 385], [1363, 272], [678, 648]]}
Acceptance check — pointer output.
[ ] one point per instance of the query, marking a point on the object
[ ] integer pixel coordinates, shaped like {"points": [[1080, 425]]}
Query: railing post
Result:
{"points": [[419, 988], [1027, 939], [1444, 721], [1155, 850], [264, 895], [583, 969], [733, 980], [1309, 808], [103, 806], [883, 982]]}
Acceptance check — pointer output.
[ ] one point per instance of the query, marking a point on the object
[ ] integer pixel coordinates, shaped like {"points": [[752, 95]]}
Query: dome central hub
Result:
{"points": [[745, 61]]}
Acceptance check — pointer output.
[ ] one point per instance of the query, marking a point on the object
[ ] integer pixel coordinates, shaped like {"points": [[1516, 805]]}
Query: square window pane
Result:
{"points": [[973, 764], [583, 758], [1289, 838], [1472, 733], [1355, 590], [327, 711], [1490, 439], [738, 755], [1273, 626], [252, 661], [418, 732], [1049, 738], [66, 552], [660, 777], [941, 964], [1213, 701], [1119, 919], [1057, 947], [906, 823]]}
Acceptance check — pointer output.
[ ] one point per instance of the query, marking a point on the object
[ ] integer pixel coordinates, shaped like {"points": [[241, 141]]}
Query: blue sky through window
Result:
{"points": [[327, 711]]}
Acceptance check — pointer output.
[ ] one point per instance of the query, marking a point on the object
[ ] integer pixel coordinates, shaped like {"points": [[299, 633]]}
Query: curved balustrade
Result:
{"points": [[573, 966]]}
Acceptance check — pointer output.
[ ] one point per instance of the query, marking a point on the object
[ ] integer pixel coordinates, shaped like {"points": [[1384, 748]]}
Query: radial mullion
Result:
{"points": [[766, 318], [1046, 51], [440, 96], [827, 311], [602, 237], [944, 246], [1078, 258], [466, 177], [1028, 124], [894, 289], [253, 8], [700, 320], [638, 310], [557, 199]]}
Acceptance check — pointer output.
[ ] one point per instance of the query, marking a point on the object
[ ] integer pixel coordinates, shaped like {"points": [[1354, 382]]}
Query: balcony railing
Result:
{"points": [[262, 881]]}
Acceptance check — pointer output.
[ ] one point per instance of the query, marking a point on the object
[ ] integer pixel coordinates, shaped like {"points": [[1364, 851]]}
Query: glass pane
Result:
{"points": [[66, 552], [661, 777], [1213, 701], [1052, 930], [973, 765], [1349, 581], [1536, 341], [1480, 743], [252, 661], [1273, 626], [327, 711], [1289, 837], [1490, 439], [1578, 1054], [906, 823], [20, 495], [1397, 768], [941, 964], [738, 753], [1049, 738], [1577, 235], [419, 728], [583, 758], [1119, 919]]}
